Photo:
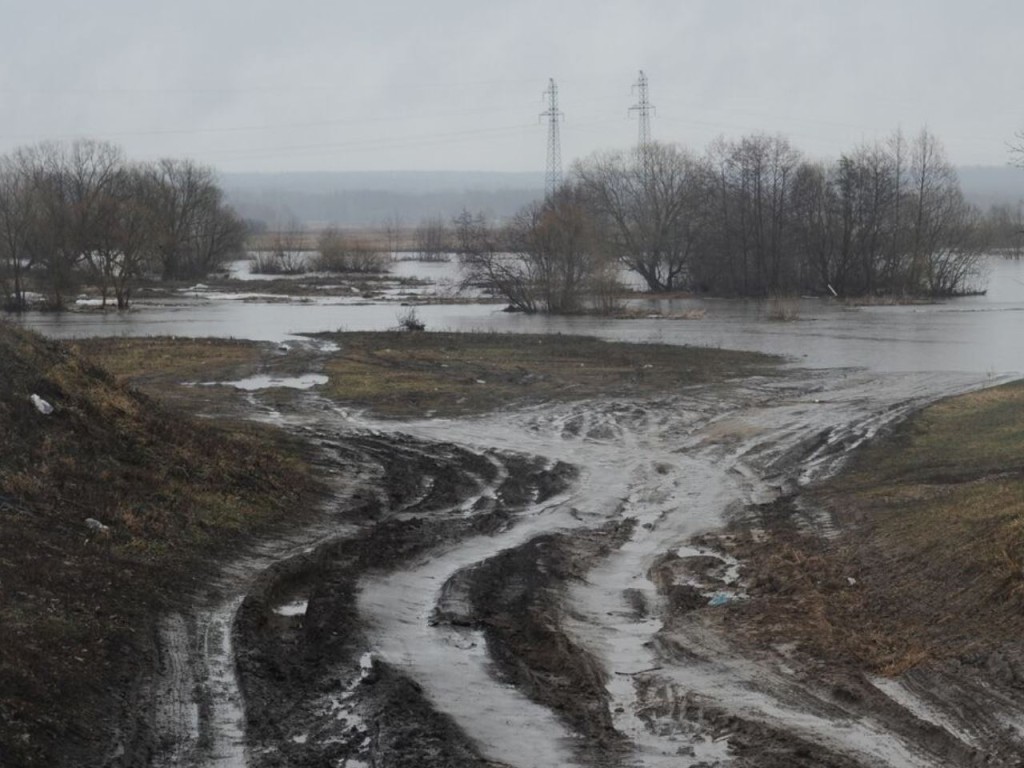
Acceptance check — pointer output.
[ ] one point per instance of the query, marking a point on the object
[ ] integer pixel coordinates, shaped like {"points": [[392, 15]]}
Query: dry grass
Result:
{"points": [[405, 374], [402, 374], [376, 238], [933, 535], [782, 308], [182, 359]]}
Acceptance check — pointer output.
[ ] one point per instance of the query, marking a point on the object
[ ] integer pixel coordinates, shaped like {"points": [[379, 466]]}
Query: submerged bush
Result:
{"points": [[783, 308], [277, 262]]}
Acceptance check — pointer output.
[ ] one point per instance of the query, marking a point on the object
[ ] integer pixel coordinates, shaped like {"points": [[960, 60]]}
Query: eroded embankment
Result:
{"points": [[484, 593]]}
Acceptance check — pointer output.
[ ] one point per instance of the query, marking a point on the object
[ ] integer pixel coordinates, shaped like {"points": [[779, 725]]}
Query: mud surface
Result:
{"points": [[547, 587]]}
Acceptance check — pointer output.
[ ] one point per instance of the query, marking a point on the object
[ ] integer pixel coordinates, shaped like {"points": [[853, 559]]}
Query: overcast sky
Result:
{"points": [[457, 84]]}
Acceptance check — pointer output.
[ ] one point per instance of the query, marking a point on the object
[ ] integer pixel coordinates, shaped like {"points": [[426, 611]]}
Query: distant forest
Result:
{"points": [[318, 200]]}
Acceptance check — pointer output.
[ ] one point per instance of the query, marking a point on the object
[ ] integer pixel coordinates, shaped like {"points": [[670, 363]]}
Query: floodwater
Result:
{"points": [[978, 334]]}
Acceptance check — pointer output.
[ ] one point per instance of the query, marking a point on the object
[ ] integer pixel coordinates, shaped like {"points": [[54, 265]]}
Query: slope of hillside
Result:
{"points": [[78, 599]]}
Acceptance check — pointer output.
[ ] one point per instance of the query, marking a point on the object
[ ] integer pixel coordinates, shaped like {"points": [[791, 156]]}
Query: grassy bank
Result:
{"points": [[412, 375], [78, 604], [930, 560], [447, 374]]}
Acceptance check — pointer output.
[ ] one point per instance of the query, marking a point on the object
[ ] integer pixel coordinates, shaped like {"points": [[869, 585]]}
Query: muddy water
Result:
{"points": [[976, 334]]}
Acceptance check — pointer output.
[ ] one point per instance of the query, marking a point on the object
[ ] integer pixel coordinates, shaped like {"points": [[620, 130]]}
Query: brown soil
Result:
{"points": [[516, 598]]}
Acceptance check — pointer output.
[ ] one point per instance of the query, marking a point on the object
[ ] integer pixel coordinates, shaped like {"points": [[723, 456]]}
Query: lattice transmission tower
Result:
{"points": [[643, 109], [553, 172]]}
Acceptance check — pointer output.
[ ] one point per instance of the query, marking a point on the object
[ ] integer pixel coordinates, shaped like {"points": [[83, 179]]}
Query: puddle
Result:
{"points": [[254, 383], [294, 608]]}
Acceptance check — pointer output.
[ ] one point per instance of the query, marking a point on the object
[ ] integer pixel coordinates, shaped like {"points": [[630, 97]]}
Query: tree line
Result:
{"points": [[751, 217], [82, 212]]}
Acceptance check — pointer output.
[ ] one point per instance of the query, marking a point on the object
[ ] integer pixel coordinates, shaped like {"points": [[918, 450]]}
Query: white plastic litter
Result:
{"points": [[96, 526], [41, 405]]}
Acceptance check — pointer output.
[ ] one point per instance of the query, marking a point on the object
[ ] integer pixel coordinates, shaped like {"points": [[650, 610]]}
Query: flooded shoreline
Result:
{"points": [[975, 334]]}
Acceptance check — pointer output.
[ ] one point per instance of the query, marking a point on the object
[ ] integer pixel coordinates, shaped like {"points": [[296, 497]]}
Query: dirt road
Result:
{"points": [[531, 588]]}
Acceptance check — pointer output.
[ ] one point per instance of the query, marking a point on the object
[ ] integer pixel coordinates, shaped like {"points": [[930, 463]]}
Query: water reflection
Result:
{"points": [[977, 334]]}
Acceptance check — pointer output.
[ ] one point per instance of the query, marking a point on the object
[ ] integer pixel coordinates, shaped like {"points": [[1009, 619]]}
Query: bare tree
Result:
{"points": [[1016, 146], [284, 256], [548, 260], [945, 247], [645, 206], [1004, 226], [748, 217], [488, 264], [124, 242], [393, 233], [432, 240], [68, 185], [15, 224], [195, 231]]}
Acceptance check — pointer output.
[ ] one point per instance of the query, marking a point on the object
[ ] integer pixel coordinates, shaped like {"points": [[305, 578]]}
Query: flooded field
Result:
{"points": [[976, 334]]}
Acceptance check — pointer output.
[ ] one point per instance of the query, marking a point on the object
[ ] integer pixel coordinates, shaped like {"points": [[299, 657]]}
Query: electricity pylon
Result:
{"points": [[553, 172]]}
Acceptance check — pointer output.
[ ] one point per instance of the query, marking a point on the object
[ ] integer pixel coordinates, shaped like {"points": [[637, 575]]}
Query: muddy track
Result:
{"points": [[361, 706], [548, 572]]}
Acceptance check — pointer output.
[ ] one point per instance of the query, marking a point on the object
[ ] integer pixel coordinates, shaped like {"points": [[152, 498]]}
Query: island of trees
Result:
{"points": [[750, 218]]}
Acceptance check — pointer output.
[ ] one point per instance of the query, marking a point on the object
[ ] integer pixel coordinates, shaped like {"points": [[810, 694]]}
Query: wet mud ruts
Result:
{"points": [[516, 598], [311, 692], [497, 568]]}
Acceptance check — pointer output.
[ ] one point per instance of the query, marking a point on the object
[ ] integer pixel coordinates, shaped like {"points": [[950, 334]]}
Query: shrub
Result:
{"points": [[410, 321], [783, 308], [341, 253], [277, 262]]}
